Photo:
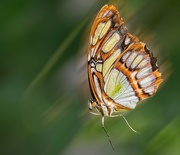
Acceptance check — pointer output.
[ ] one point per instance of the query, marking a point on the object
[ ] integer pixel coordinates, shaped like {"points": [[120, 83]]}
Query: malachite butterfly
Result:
{"points": [[122, 71]]}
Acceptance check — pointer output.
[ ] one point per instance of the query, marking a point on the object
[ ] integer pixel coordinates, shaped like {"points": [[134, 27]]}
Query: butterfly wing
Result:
{"points": [[121, 70]]}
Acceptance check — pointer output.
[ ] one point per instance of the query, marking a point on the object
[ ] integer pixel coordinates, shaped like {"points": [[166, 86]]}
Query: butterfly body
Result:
{"points": [[121, 70]]}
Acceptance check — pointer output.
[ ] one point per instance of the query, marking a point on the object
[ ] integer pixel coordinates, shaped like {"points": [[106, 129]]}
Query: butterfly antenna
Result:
{"points": [[107, 133], [129, 124]]}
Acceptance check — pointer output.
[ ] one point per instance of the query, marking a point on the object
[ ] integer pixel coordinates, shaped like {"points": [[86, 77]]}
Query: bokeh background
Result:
{"points": [[44, 87]]}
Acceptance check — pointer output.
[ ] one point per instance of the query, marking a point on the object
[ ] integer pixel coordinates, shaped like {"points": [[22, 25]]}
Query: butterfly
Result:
{"points": [[122, 71]]}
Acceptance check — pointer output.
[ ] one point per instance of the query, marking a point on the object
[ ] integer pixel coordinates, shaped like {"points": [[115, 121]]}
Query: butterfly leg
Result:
{"points": [[107, 133], [94, 113], [125, 121]]}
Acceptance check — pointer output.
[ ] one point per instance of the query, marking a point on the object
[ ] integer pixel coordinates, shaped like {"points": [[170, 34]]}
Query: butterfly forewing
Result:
{"points": [[121, 70], [106, 25]]}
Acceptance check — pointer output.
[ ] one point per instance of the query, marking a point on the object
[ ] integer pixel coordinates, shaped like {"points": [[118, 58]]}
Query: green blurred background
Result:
{"points": [[44, 88]]}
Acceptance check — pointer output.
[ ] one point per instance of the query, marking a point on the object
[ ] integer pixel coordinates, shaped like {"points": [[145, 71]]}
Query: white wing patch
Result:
{"points": [[97, 86], [144, 72], [125, 56], [127, 40], [111, 42], [108, 63], [105, 29], [120, 90], [149, 90], [97, 33], [136, 61], [100, 32], [130, 59], [147, 81]]}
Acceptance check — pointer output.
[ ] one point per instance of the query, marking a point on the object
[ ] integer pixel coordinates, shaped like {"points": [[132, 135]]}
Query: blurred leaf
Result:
{"points": [[167, 140], [55, 57]]}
